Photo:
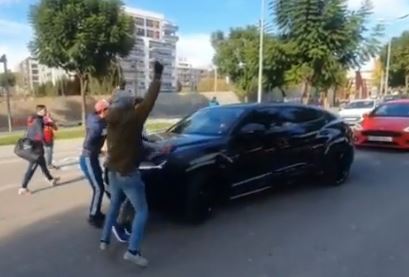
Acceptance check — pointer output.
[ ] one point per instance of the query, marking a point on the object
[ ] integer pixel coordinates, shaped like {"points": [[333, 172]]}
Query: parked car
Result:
{"points": [[386, 126], [391, 97], [229, 152], [352, 112]]}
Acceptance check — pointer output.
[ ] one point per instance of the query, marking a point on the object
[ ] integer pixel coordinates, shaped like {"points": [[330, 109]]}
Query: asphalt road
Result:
{"points": [[360, 229]]}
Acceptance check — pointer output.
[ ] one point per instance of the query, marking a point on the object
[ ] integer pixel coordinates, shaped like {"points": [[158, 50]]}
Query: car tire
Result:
{"points": [[199, 198], [337, 167]]}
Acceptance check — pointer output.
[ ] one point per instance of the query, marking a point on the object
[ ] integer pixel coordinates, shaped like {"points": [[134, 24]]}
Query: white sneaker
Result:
{"points": [[136, 259], [23, 191], [103, 246], [53, 182]]}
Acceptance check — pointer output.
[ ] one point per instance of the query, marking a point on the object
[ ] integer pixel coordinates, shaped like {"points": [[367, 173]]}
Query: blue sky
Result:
{"points": [[196, 20]]}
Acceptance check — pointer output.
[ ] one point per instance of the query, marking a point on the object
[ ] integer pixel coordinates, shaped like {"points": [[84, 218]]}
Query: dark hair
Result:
{"points": [[40, 107]]}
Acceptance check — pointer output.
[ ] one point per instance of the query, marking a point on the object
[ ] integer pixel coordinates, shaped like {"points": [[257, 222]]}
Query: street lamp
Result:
{"points": [[3, 59], [260, 60]]}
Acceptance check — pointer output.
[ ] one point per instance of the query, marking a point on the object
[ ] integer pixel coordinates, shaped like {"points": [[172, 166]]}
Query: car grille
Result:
{"points": [[381, 133]]}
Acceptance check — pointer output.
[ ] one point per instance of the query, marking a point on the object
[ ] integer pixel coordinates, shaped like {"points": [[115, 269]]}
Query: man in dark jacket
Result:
{"points": [[125, 149], [35, 132], [89, 160]]}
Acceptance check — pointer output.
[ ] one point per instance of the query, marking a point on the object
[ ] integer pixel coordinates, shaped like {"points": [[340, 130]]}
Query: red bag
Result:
{"points": [[48, 134]]}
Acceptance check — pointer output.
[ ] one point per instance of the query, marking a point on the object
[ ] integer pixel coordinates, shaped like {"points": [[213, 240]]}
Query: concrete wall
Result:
{"points": [[68, 109]]}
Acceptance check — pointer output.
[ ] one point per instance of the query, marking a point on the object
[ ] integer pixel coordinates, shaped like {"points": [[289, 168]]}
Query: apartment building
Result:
{"points": [[30, 72], [50, 74], [155, 40], [188, 75], [34, 74]]}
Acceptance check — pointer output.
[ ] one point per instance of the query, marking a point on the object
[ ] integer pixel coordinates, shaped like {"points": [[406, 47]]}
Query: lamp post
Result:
{"points": [[260, 60], [3, 59], [388, 58]]}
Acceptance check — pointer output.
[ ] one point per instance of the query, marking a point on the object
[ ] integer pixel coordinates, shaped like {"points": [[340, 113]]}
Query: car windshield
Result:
{"points": [[215, 121], [360, 105], [392, 110]]}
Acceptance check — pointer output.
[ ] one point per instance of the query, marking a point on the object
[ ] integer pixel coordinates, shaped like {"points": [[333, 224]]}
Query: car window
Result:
{"points": [[393, 110], [292, 115], [360, 105], [214, 121]]}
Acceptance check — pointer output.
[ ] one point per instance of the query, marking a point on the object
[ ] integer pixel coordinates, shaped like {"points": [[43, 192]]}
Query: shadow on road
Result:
{"points": [[64, 183], [65, 242]]}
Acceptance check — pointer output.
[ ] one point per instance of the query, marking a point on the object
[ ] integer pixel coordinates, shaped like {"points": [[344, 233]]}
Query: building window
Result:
{"points": [[140, 32], [157, 35], [34, 71], [152, 23], [140, 21], [150, 34]]}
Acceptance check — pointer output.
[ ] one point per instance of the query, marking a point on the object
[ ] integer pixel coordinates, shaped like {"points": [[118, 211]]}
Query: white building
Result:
{"points": [[155, 40], [34, 74], [188, 75], [29, 69], [51, 75]]}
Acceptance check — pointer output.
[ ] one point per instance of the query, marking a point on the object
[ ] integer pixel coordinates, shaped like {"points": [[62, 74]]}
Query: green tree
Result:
{"points": [[84, 37], [399, 66], [9, 78], [237, 57], [329, 38]]}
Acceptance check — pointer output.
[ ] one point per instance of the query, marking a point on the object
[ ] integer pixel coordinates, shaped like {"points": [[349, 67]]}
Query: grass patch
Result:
{"points": [[77, 132]]}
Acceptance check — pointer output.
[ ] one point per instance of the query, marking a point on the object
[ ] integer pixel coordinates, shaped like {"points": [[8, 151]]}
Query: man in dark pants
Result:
{"points": [[89, 160], [35, 132]]}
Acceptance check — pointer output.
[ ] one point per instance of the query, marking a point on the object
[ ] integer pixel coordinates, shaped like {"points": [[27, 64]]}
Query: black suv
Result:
{"points": [[229, 152]]}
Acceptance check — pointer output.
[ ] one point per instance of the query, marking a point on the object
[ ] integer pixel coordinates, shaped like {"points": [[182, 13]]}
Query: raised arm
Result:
{"points": [[145, 107]]}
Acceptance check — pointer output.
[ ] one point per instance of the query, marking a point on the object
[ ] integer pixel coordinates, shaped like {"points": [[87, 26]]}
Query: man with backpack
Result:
{"points": [[35, 133]]}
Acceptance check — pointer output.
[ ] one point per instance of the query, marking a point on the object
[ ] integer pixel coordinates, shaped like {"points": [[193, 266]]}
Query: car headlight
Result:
{"points": [[406, 130]]}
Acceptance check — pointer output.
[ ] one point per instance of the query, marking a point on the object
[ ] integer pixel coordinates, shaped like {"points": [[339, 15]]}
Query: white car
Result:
{"points": [[353, 112]]}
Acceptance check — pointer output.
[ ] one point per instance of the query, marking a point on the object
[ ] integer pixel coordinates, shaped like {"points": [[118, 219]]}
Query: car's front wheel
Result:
{"points": [[337, 167]]}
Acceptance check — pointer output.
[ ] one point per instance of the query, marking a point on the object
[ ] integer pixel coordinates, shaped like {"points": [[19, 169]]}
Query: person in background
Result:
{"points": [[214, 102], [35, 132], [125, 150], [49, 128], [89, 160]]}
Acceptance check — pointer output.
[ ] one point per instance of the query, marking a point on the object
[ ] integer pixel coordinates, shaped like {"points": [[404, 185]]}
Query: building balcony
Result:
{"points": [[170, 27]]}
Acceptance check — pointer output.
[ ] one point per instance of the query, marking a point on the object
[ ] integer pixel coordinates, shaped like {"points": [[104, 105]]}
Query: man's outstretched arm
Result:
{"points": [[145, 107]]}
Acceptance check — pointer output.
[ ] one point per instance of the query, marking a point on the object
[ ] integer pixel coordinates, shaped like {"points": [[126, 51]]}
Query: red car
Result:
{"points": [[386, 126]]}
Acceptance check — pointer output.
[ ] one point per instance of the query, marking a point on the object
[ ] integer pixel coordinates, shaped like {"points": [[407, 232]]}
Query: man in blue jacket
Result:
{"points": [[89, 161]]}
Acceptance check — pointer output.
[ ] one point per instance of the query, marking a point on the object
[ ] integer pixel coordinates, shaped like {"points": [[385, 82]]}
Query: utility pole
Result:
{"points": [[260, 60], [3, 59], [215, 79], [388, 63]]}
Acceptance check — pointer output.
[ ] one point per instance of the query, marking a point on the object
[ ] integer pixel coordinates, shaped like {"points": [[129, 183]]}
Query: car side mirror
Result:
{"points": [[252, 129]]}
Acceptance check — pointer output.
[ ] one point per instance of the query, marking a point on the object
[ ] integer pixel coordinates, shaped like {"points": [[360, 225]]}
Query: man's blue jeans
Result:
{"points": [[132, 187]]}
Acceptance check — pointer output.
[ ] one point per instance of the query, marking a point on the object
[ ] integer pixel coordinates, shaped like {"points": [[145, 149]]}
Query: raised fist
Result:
{"points": [[158, 69]]}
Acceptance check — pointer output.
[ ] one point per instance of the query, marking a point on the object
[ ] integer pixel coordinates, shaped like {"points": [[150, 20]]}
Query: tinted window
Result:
{"points": [[392, 109], [216, 121], [299, 115], [360, 105]]}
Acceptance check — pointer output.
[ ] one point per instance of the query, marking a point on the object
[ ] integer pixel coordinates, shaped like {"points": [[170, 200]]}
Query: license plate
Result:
{"points": [[381, 139]]}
